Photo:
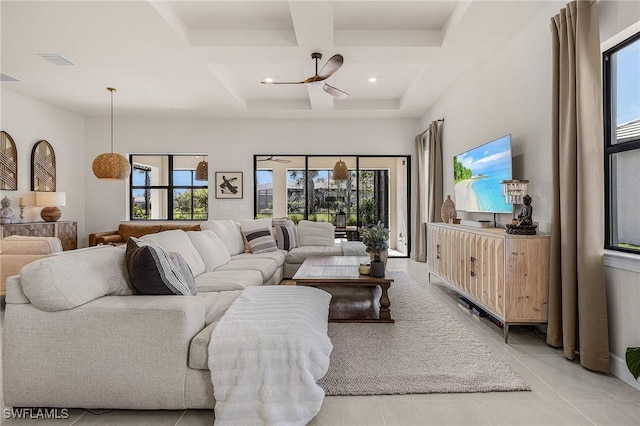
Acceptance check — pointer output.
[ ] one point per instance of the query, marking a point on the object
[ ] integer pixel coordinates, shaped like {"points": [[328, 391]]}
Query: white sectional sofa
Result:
{"points": [[76, 335]]}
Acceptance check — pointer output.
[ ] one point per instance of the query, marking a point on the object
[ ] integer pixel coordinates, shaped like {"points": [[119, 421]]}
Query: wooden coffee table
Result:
{"points": [[355, 297]]}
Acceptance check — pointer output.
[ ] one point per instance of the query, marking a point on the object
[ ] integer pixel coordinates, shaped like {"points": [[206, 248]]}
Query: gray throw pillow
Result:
{"points": [[153, 270], [286, 237]]}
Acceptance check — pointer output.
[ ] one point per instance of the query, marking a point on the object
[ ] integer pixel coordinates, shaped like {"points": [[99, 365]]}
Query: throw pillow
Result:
{"points": [[287, 237], [258, 236], [153, 270]]}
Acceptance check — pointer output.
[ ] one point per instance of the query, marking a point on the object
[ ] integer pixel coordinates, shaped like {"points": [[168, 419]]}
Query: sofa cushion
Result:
{"points": [[286, 237], [156, 271], [266, 267], [299, 254], [210, 247], [216, 304], [127, 230], [316, 233], [73, 278], [278, 256], [227, 280], [258, 235], [178, 241], [228, 231]]}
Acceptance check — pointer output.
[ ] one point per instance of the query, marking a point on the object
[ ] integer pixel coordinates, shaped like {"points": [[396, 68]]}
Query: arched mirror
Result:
{"points": [[8, 162], [43, 167]]}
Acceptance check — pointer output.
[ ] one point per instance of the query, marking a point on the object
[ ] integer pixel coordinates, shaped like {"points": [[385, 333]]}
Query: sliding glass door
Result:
{"points": [[302, 187]]}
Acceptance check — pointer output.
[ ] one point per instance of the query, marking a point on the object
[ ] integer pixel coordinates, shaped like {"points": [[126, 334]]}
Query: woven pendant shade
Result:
{"points": [[111, 166], [340, 171], [202, 171]]}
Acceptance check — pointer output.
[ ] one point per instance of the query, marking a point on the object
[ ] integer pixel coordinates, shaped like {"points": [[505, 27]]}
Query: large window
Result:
{"points": [[622, 145], [165, 187]]}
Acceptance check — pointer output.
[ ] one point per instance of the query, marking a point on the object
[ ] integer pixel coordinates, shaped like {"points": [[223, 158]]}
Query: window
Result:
{"points": [[621, 70], [164, 187]]}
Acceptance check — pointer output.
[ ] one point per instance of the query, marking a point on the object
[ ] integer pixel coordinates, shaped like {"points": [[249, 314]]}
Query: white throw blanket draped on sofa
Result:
{"points": [[266, 354]]}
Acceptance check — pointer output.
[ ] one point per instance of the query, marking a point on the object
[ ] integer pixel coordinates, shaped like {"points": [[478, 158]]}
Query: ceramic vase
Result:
{"points": [[377, 268], [448, 210]]}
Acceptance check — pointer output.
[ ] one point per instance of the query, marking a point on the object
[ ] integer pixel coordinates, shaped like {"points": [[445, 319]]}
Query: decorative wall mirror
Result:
{"points": [[43, 167], [8, 162]]}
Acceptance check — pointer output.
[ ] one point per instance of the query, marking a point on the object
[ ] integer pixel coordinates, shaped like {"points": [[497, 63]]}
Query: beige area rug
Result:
{"points": [[425, 351]]}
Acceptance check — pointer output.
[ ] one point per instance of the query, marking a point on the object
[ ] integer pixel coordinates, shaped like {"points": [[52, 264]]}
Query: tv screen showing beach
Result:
{"points": [[477, 176]]}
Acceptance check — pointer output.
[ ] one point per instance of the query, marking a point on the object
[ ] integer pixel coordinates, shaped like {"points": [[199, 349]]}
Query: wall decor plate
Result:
{"points": [[229, 185]]}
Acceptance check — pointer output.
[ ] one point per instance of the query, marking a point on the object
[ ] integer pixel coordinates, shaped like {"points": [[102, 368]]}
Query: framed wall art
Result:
{"points": [[229, 185], [43, 167], [8, 162]]}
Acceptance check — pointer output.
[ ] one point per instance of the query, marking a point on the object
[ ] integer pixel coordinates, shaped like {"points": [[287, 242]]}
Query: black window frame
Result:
{"points": [[169, 188], [610, 148]]}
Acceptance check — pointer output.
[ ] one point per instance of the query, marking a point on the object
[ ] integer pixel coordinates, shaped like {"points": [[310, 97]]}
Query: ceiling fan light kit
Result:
{"points": [[110, 165], [333, 64]]}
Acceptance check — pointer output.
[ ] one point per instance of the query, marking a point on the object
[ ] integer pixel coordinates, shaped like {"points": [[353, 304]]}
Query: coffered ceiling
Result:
{"points": [[207, 58]]}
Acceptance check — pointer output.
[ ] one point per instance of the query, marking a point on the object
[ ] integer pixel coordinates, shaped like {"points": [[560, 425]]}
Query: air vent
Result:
{"points": [[56, 59], [7, 77]]}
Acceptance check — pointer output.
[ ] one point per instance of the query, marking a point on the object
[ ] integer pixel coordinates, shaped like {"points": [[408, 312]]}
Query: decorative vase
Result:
{"points": [[448, 210], [377, 268]]}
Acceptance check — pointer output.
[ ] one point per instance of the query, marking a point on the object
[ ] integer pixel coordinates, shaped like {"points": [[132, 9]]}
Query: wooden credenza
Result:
{"points": [[507, 275], [66, 231]]}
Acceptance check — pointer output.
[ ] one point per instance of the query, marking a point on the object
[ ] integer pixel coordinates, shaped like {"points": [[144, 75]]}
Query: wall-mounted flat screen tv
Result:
{"points": [[477, 176]]}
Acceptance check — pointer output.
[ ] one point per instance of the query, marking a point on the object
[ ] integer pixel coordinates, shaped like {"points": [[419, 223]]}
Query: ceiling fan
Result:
{"points": [[273, 158], [333, 64]]}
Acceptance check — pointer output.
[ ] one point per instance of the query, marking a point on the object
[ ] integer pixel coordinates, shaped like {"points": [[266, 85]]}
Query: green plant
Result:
{"points": [[632, 356], [375, 237]]}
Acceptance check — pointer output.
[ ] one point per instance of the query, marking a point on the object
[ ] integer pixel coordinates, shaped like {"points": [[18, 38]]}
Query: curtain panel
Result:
{"points": [[577, 289], [429, 194]]}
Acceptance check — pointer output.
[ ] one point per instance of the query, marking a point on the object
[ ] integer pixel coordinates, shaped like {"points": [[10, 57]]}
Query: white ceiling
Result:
{"points": [[207, 58]]}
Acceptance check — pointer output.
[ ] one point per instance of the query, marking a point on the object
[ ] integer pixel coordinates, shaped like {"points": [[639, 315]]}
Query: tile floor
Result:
{"points": [[563, 393]]}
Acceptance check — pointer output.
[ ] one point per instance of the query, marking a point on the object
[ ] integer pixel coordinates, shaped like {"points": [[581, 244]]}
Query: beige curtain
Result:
{"points": [[577, 293], [429, 193]]}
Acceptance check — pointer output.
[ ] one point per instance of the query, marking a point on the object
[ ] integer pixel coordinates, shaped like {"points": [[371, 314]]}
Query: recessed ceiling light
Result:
{"points": [[268, 80], [372, 79]]}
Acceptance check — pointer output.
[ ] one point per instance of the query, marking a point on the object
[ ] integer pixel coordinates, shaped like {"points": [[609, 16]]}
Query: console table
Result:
{"points": [[505, 274], [66, 231]]}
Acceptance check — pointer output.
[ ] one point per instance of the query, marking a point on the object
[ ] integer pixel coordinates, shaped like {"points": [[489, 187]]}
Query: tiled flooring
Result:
{"points": [[563, 393]]}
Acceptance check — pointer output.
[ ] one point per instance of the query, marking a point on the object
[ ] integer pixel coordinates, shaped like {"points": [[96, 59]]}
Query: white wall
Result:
{"points": [[230, 145], [512, 94], [28, 121]]}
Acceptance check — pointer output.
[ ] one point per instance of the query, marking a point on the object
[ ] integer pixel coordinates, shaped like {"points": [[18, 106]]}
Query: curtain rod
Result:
{"points": [[427, 129]]}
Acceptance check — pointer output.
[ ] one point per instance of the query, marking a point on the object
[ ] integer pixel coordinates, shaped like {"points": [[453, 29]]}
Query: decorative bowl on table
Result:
{"points": [[364, 268]]}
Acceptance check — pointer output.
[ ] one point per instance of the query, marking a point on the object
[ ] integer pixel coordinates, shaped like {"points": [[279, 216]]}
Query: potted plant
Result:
{"points": [[632, 357], [376, 238]]}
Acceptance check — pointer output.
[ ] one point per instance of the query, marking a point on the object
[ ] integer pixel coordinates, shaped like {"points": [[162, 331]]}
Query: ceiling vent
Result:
{"points": [[56, 59], [7, 77]]}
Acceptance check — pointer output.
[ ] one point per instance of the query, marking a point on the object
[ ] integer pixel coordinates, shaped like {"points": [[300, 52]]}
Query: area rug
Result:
{"points": [[425, 351]]}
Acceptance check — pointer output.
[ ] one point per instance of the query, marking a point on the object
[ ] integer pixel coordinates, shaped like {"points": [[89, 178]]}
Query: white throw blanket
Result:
{"points": [[266, 354]]}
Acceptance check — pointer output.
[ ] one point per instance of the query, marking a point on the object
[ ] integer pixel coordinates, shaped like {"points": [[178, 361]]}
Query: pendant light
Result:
{"points": [[202, 170], [340, 171], [110, 165]]}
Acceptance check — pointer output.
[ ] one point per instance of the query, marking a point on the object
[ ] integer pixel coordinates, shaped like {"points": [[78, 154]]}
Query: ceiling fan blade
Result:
{"points": [[334, 91], [283, 82], [333, 64]]}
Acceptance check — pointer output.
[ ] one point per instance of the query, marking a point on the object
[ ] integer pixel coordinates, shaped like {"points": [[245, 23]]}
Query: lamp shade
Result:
{"points": [[111, 166], [340, 171], [202, 171], [51, 200]]}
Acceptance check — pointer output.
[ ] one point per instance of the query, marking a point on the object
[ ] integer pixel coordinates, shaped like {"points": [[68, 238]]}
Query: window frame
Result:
{"points": [[170, 187], [610, 148]]}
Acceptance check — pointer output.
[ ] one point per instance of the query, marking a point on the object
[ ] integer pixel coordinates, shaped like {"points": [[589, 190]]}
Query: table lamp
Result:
{"points": [[50, 201]]}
